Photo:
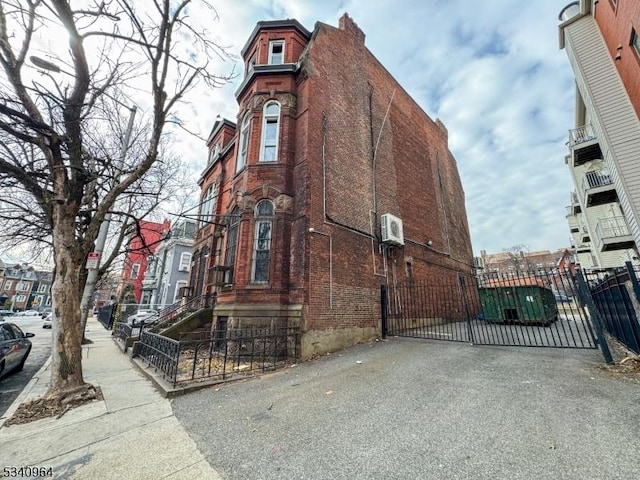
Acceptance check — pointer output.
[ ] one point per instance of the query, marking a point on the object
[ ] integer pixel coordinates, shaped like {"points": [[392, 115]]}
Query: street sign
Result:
{"points": [[92, 260]]}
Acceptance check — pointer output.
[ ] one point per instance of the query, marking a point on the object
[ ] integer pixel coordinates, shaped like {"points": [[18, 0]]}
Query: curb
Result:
{"points": [[26, 391]]}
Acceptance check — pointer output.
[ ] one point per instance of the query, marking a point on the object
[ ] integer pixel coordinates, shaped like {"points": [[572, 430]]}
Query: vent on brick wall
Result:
{"points": [[392, 229]]}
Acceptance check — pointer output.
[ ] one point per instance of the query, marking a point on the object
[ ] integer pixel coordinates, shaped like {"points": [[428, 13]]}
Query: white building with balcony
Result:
{"points": [[604, 148]]}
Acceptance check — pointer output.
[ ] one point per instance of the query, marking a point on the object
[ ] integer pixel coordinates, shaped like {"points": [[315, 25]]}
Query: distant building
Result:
{"points": [[169, 268], [332, 182], [517, 262], [16, 285], [41, 293], [141, 245], [603, 46]]}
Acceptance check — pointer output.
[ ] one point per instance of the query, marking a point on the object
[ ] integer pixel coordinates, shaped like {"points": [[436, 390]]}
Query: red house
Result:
{"points": [[141, 245]]}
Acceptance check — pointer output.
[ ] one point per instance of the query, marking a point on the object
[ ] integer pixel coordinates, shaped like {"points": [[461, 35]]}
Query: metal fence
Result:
{"points": [[616, 295], [536, 308], [220, 354], [172, 314]]}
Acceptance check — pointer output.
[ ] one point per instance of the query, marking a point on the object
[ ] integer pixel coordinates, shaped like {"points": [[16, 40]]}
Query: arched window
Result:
{"points": [[262, 241], [233, 223], [270, 130], [243, 143]]}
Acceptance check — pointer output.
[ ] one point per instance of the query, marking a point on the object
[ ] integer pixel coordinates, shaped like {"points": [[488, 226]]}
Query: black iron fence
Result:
{"points": [[219, 355], [615, 294], [520, 308], [174, 313], [105, 315]]}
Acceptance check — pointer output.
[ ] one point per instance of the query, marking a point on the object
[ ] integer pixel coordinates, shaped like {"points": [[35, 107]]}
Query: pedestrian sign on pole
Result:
{"points": [[92, 260]]}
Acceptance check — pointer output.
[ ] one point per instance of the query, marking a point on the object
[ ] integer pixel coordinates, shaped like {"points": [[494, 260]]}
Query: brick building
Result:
{"points": [[521, 261], [295, 192], [141, 245]]}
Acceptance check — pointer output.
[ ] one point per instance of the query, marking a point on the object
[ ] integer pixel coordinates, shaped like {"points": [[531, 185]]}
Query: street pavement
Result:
{"points": [[131, 434], [418, 409], [11, 385]]}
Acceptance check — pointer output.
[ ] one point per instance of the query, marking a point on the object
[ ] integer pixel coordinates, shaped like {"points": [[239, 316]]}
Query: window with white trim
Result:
{"points": [[270, 130], [252, 62], [7, 284], [22, 287], [135, 269], [208, 204], [262, 241], [231, 245], [214, 153], [179, 284], [243, 143], [185, 262], [276, 52], [21, 298]]}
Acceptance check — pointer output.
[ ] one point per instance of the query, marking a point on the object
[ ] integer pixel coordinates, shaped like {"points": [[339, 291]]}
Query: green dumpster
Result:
{"points": [[518, 302]]}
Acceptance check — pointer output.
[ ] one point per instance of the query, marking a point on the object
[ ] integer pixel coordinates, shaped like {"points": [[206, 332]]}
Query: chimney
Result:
{"points": [[346, 23]]}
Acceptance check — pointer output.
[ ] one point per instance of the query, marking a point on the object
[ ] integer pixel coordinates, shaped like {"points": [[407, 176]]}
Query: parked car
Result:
{"points": [[46, 322], [45, 312], [14, 348], [6, 313], [146, 316], [27, 313]]}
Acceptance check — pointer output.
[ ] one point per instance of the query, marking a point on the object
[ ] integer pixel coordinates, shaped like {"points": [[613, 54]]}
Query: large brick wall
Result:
{"points": [[368, 127]]}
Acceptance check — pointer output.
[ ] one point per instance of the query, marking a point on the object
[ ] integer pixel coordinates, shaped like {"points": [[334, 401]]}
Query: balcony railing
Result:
{"points": [[612, 227], [594, 180], [581, 135]]}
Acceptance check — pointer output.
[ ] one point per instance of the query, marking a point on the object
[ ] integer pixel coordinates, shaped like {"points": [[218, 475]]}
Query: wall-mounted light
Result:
{"points": [[429, 243]]}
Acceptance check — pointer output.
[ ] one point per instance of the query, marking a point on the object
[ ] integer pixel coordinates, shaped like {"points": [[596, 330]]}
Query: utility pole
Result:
{"points": [[92, 276]]}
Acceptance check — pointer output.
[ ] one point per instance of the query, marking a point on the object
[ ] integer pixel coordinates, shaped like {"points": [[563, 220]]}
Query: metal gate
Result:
{"points": [[531, 309]]}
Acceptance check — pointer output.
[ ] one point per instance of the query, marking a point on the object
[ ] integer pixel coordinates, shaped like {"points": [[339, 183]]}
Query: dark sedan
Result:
{"points": [[14, 348]]}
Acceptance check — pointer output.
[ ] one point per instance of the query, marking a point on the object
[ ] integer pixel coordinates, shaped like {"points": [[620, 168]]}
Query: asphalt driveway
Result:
{"points": [[418, 409]]}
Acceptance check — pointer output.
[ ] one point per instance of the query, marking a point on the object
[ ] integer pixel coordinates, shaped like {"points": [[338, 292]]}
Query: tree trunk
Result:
{"points": [[66, 357]]}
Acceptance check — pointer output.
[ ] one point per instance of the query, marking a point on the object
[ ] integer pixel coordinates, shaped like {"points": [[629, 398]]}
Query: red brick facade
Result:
{"points": [[352, 145], [618, 20], [141, 245]]}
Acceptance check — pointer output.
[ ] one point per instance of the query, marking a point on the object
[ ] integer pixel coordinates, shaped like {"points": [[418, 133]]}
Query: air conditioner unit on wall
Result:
{"points": [[392, 229]]}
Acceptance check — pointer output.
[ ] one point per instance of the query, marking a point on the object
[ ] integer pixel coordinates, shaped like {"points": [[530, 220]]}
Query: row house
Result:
{"points": [[142, 244], [602, 43], [16, 286], [167, 275], [331, 182]]}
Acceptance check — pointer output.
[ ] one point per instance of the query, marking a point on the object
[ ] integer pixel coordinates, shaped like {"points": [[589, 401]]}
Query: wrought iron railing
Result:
{"points": [[220, 354], [172, 314]]}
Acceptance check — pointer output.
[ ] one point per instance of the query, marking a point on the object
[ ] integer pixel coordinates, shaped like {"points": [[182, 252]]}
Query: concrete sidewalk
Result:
{"points": [[132, 433]]}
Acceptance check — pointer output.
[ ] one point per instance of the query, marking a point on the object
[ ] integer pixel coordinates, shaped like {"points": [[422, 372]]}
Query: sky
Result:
{"points": [[491, 71]]}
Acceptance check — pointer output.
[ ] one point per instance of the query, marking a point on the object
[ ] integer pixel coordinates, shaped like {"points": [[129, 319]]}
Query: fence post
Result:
{"points": [[585, 293], [384, 310], [634, 280], [463, 292]]}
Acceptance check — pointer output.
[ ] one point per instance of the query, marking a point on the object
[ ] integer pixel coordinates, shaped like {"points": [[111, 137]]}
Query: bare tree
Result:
{"points": [[48, 122], [517, 257]]}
